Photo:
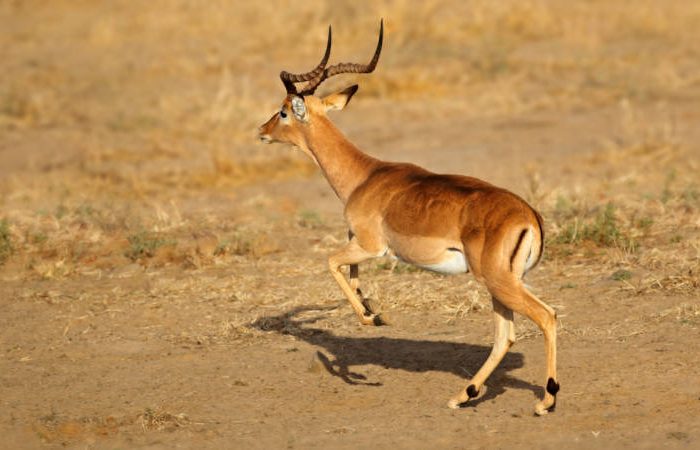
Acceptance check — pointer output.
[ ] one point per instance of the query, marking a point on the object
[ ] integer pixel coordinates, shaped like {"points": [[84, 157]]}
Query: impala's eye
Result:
{"points": [[283, 114]]}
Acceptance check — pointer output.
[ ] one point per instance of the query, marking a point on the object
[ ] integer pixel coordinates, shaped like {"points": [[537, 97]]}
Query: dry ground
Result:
{"points": [[163, 280]]}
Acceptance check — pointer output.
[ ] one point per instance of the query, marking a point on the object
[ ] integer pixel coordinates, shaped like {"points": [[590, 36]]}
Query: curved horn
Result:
{"points": [[347, 67], [290, 78]]}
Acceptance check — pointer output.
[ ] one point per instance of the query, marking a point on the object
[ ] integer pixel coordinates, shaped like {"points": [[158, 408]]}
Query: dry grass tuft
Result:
{"points": [[159, 420], [245, 242], [687, 314], [144, 244]]}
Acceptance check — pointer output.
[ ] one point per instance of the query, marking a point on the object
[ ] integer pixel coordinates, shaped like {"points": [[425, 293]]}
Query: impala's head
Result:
{"points": [[301, 108]]}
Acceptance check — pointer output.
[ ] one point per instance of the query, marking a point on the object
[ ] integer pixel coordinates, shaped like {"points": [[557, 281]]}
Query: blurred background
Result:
{"points": [[136, 119]]}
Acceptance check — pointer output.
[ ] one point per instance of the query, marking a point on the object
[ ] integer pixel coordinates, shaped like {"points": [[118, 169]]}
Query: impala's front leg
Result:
{"points": [[355, 282], [353, 254], [354, 271], [355, 286]]}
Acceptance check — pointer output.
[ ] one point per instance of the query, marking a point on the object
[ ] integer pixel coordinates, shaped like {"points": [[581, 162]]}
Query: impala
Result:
{"points": [[450, 224]]}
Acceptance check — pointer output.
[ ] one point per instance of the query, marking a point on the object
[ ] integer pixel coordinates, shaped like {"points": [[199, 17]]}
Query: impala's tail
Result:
{"points": [[529, 247], [540, 244]]}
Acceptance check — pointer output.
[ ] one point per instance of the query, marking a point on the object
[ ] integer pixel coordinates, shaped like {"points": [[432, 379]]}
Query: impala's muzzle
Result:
{"points": [[264, 131], [264, 137]]}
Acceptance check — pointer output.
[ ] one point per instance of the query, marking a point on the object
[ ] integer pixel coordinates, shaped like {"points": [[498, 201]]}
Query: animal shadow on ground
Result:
{"points": [[393, 353]]}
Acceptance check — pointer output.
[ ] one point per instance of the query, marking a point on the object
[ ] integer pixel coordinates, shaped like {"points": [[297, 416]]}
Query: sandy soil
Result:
{"points": [[164, 282]]}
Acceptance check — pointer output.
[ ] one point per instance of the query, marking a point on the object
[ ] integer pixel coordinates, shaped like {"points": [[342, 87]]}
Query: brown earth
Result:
{"points": [[163, 277]]}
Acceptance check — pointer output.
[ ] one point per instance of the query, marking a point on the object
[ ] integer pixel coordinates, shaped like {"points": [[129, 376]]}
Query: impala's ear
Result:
{"points": [[339, 99]]}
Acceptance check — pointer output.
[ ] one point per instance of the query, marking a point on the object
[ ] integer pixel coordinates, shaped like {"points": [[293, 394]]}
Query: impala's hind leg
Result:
{"points": [[504, 337], [513, 294]]}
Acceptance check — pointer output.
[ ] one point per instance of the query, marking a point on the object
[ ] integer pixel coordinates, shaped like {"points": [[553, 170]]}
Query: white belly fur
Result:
{"points": [[453, 263]]}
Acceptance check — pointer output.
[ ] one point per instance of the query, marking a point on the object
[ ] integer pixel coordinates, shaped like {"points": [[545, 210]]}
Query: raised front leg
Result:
{"points": [[354, 271], [353, 254], [355, 281]]}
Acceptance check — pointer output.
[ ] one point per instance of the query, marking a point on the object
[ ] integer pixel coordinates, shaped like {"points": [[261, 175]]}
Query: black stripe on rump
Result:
{"points": [[517, 247]]}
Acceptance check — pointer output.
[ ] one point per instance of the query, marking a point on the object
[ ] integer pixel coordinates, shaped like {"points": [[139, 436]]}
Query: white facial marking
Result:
{"points": [[299, 108]]}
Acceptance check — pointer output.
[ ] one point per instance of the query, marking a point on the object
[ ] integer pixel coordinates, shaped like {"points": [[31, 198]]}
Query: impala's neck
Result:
{"points": [[343, 164]]}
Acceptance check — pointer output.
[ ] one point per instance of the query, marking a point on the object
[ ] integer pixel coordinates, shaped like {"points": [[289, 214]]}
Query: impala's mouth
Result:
{"points": [[265, 138]]}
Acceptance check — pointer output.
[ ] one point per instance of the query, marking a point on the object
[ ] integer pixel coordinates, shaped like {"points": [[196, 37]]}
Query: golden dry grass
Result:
{"points": [[161, 124], [157, 119]]}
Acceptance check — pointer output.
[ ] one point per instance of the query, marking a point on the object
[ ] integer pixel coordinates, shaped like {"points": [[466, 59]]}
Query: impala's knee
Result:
{"points": [[333, 265], [552, 387]]}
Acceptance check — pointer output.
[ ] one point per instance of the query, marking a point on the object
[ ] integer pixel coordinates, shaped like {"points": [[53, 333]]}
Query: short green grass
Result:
{"points": [[6, 247], [602, 229], [621, 275], [310, 219], [145, 244]]}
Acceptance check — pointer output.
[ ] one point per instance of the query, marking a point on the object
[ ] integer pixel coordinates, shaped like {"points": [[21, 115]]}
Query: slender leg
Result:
{"points": [[355, 279], [355, 286], [351, 254], [504, 338], [354, 272], [513, 294]]}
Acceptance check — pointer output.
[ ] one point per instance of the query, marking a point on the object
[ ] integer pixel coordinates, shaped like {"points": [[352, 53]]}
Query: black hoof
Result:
{"points": [[472, 391], [552, 387], [378, 321]]}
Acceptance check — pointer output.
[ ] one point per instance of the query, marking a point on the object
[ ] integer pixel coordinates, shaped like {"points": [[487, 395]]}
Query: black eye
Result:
{"points": [[283, 114]]}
